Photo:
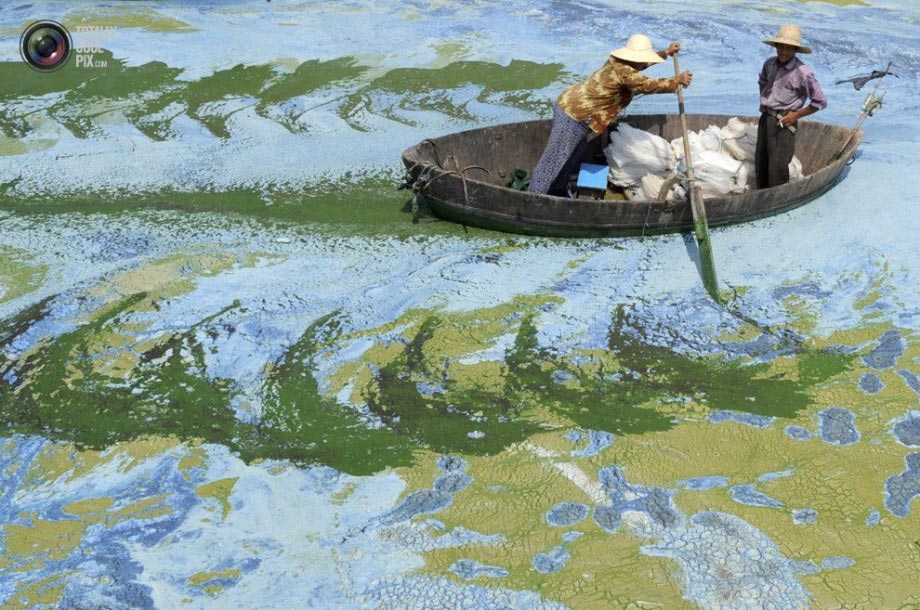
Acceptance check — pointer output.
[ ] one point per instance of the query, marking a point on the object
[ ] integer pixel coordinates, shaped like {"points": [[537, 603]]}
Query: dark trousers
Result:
{"points": [[567, 143], [775, 148]]}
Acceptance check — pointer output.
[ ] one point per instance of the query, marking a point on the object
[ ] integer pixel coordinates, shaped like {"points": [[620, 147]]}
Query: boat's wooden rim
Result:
{"points": [[478, 202]]}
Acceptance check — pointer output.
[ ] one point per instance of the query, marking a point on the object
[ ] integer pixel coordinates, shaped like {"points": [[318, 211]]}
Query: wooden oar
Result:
{"points": [[700, 225]]}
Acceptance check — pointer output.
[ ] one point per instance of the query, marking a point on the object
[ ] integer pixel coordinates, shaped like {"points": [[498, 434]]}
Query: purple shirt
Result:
{"points": [[787, 87]]}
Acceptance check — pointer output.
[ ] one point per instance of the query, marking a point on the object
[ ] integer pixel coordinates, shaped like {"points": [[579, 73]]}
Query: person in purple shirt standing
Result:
{"points": [[786, 84]]}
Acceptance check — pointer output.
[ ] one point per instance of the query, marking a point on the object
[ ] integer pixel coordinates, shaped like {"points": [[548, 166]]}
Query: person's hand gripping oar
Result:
{"points": [[700, 225]]}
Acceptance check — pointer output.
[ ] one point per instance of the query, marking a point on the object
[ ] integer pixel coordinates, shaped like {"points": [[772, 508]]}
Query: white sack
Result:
{"points": [[744, 179], [751, 173], [718, 174], [741, 142], [795, 173], [696, 146], [736, 125], [633, 153], [651, 185], [723, 160], [711, 138]]}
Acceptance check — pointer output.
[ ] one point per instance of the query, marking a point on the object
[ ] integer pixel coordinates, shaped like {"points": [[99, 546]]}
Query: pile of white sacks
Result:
{"points": [[723, 161]]}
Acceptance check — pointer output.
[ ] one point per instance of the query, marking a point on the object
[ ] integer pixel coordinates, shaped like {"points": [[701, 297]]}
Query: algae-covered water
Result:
{"points": [[238, 370]]}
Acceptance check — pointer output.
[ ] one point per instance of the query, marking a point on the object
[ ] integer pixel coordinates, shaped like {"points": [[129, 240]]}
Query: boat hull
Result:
{"points": [[484, 157]]}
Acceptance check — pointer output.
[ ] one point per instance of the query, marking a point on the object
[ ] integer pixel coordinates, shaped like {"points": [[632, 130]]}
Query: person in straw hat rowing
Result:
{"points": [[785, 85], [593, 104]]}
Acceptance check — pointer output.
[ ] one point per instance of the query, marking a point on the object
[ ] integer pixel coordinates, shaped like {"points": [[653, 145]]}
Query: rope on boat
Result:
{"points": [[408, 180], [416, 184], [673, 179], [458, 172], [648, 210], [426, 177]]}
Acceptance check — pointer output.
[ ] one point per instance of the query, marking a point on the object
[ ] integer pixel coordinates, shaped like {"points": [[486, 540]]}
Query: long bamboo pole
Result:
{"points": [[700, 224]]}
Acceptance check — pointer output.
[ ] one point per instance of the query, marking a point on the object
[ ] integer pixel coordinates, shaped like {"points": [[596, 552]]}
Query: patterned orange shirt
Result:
{"points": [[608, 91]]}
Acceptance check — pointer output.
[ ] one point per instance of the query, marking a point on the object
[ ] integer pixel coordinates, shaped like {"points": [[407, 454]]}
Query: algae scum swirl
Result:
{"points": [[76, 387], [235, 373]]}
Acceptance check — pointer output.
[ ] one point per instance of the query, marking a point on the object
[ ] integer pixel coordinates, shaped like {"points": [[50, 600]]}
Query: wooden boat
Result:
{"points": [[485, 157]]}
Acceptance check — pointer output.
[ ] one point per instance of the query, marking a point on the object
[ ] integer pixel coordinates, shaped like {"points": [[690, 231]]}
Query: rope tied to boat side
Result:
{"points": [[430, 173]]}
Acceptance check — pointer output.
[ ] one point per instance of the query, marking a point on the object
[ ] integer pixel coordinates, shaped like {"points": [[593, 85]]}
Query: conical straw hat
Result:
{"points": [[790, 35], [638, 49]]}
